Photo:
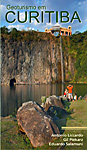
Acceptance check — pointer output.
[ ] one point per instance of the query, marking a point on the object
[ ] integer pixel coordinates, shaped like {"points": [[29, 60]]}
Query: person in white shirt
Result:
{"points": [[75, 96]]}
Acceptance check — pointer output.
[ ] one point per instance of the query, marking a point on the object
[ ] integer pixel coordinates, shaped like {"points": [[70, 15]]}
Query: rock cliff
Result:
{"points": [[35, 61]]}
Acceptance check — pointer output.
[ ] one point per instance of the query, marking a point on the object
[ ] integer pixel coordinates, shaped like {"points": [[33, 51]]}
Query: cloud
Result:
{"points": [[3, 11], [29, 28], [38, 1], [78, 5], [20, 3], [2, 7], [35, 22], [18, 27], [58, 5], [57, 24], [49, 24], [82, 3]]}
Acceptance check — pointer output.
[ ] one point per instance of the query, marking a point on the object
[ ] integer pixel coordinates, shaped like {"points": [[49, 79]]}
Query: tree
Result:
{"points": [[77, 32], [14, 34], [4, 30], [14, 31]]}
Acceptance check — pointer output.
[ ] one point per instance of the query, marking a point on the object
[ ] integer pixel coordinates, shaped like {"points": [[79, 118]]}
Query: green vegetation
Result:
{"points": [[11, 138], [43, 99], [78, 119], [27, 36], [74, 46], [80, 40]]}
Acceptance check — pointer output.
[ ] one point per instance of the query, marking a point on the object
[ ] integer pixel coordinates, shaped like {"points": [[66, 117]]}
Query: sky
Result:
{"points": [[80, 6]]}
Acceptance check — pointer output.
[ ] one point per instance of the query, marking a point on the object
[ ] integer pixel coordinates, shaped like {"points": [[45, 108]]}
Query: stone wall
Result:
{"points": [[34, 62]]}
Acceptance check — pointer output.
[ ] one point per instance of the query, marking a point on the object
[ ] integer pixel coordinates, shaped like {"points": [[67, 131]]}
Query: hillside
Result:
{"points": [[34, 57], [77, 48]]}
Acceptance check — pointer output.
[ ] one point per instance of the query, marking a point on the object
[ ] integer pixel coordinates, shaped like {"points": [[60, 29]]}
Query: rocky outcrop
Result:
{"points": [[34, 61], [36, 123], [56, 112], [53, 101]]}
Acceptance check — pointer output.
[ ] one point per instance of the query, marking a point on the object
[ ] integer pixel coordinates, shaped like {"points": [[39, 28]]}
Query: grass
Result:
{"points": [[78, 119], [11, 138], [79, 114]]}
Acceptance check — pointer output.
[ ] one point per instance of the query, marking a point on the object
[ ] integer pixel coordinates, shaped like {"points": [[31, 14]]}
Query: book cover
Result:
{"points": [[43, 74]]}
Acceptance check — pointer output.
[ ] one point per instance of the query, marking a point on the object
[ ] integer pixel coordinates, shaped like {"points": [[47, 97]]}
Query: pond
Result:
{"points": [[13, 97]]}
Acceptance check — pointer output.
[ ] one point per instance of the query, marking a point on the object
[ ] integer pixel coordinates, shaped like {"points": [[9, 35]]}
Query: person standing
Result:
{"points": [[70, 87]]}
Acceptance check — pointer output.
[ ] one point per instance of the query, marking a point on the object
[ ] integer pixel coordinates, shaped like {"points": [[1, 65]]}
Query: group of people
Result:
{"points": [[68, 93]]}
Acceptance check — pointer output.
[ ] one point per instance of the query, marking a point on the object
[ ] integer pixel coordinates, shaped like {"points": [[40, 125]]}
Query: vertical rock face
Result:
{"points": [[33, 61]]}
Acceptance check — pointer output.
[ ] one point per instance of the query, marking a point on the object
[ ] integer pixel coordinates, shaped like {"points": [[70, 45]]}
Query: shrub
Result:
{"points": [[43, 99]]}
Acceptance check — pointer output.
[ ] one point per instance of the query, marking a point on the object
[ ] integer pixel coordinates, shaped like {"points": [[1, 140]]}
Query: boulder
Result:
{"points": [[37, 125], [85, 97], [53, 101], [56, 111]]}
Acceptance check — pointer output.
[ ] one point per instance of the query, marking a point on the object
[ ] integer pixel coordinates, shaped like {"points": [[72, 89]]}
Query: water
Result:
{"points": [[13, 97]]}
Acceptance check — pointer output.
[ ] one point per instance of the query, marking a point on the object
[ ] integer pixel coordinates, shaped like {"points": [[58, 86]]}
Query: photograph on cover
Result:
{"points": [[43, 61]]}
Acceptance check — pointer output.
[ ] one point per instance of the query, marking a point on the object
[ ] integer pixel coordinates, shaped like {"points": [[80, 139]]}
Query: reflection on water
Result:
{"points": [[13, 97]]}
